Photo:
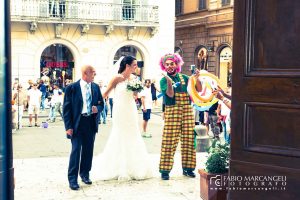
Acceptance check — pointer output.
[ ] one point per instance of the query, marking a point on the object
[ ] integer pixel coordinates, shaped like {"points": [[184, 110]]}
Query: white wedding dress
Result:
{"points": [[125, 155]]}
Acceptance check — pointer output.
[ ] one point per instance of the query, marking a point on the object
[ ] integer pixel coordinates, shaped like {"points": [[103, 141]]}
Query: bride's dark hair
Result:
{"points": [[126, 60]]}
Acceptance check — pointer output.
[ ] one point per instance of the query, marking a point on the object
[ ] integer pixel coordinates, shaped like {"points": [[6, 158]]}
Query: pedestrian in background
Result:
{"points": [[103, 114], [55, 102], [111, 102], [34, 102], [146, 98], [13, 116], [43, 88], [213, 120], [153, 92], [19, 98]]}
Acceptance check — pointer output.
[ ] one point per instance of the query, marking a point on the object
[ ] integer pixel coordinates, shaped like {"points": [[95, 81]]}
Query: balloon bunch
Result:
{"points": [[206, 98]]}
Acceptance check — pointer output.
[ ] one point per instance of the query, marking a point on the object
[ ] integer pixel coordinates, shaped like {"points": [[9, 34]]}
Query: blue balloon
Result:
{"points": [[160, 95], [175, 85], [202, 108]]}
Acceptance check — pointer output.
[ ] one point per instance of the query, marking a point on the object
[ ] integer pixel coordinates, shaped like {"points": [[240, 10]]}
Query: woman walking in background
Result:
{"points": [[153, 92]]}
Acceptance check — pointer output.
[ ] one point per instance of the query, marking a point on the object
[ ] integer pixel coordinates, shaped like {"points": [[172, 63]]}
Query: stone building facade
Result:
{"points": [[203, 36], [53, 39]]}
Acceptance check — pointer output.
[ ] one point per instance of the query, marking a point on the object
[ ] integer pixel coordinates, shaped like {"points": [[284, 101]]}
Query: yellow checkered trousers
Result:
{"points": [[179, 124]]}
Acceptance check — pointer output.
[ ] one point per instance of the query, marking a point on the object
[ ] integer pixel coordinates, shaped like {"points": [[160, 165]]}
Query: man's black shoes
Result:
{"points": [[86, 180], [189, 173], [165, 176], [74, 186]]}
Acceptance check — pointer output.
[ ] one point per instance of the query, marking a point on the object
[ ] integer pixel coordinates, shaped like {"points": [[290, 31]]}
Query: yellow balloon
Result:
{"points": [[196, 98]]}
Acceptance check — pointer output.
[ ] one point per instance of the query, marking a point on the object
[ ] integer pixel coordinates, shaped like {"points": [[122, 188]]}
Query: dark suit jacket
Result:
{"points": [[73, 102]]}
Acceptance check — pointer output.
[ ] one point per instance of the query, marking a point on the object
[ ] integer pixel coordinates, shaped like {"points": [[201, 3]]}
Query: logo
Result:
{"points": [[257, 183]]}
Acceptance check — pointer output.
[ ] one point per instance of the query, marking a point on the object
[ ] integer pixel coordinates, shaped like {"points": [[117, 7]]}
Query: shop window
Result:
{"points": [[56, 65]]}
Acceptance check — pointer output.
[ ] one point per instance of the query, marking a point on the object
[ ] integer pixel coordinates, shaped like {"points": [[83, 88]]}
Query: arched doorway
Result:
{"points": [[225, 63], [201, 58], [130, 50], [57, 65]]}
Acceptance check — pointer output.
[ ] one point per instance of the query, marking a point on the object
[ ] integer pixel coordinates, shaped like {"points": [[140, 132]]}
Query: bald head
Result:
{"points": [[86, 68], [88, 73]]}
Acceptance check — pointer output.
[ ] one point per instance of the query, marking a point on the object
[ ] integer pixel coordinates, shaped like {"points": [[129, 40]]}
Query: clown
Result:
{"points": [[179, 117]]}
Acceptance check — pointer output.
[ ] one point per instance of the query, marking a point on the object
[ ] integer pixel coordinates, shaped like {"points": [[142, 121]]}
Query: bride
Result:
{"points": [[125, 156]]}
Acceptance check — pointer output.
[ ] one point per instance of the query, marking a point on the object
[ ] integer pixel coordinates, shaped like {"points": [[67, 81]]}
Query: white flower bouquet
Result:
{"points": [[134, 85]]}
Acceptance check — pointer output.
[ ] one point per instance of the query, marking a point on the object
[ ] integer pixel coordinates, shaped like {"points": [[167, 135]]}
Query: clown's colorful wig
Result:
{"points": [[176, 58]]}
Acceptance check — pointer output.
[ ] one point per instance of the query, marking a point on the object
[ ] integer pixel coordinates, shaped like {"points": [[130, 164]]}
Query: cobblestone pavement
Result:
{"points": [[46, 179], [41, 161]]}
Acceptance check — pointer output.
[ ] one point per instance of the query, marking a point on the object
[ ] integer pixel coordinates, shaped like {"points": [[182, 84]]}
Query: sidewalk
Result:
{"points": [[46, 179]]}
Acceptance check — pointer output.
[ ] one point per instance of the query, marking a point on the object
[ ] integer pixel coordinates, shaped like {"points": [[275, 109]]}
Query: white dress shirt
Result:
{"points": [[146, 93], [83, 92]]}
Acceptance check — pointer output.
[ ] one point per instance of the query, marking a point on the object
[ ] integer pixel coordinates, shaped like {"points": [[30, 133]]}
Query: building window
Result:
{"points": [[128, 10], [202, 4], [178, 7], [225, 2], [179, 51]]}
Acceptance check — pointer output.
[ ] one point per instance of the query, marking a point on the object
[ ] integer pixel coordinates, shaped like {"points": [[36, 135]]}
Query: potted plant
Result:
{"points": [[213, 178]]}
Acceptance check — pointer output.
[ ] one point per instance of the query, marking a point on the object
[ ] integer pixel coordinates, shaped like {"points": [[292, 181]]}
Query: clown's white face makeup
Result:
{"points": [[170, 67]]}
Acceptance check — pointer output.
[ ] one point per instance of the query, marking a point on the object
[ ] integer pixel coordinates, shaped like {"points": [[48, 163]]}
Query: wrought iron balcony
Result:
{"points": [[84, 12]]}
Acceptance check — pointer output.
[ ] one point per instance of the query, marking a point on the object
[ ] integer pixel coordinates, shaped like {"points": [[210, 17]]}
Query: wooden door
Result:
{"points": [[266, 97]]}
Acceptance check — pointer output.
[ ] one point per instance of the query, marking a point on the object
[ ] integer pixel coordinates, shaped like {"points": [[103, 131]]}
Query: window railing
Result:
{"points": [[82, 11]]}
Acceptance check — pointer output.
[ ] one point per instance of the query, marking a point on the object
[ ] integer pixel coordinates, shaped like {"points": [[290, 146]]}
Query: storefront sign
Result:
{"points": [[62, 64]]}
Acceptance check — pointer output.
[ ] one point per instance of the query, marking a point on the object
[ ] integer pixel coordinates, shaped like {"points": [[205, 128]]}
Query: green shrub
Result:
{"points": [[218, 158]]}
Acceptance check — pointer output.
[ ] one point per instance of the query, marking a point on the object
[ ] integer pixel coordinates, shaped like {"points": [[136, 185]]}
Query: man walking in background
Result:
{"points": [[34, 102], [146, 99]]}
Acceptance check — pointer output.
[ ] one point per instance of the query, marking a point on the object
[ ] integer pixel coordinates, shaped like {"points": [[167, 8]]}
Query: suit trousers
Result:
{"points": [[82, 149]]}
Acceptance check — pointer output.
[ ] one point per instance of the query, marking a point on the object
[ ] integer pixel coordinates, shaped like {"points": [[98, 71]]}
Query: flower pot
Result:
{"points": [[212, 186]]}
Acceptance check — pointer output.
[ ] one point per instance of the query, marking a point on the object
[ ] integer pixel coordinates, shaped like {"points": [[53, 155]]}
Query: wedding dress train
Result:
{"points": [[125, 155]]}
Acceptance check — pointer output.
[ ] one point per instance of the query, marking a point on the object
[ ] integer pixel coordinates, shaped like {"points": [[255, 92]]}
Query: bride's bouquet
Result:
{"points": [[135, 85]]}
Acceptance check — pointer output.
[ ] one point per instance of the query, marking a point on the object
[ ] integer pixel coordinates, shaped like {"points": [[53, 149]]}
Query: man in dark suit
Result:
{"points": [[82, 103]]}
